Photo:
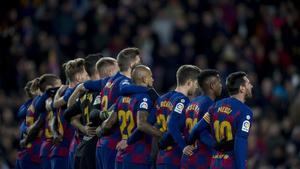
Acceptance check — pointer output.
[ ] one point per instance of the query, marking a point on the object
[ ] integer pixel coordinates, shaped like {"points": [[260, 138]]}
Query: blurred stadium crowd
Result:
{"points": [[259, 37]]}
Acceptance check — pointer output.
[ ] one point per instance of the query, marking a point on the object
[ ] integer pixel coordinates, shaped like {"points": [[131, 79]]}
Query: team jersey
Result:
{"points": [[47, 136], [127, 108], [64, 128], [170, 113], [229, 119], [83, 106], [22, 115], [23, 109], [33, 149], [95, 85], [88, 101], [87, 105], [202, 154], [109, 95]]}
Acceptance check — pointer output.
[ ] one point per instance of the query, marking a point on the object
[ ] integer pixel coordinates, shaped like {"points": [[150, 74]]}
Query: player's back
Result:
{"points": [[226, 117], [128, 107], [109, 95], [168, 103], [64, 128], [164, 107], [33, 148], [106, 145], [48, 135], [202, 154], [111, 90]]}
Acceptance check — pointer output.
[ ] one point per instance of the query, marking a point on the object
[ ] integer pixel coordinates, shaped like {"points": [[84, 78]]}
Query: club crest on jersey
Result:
{"points": [[246, 126], [179, 107], [144, 105]]}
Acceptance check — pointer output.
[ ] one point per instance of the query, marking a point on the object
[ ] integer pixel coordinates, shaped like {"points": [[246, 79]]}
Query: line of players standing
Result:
{"points": [[109, 116]]}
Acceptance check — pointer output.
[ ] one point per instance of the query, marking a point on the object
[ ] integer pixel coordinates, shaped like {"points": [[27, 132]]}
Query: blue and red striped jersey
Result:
{"points": [[127, 109], [64, 128], [229, 119], [33, 149], [171, 118], [47, 136], [109, 95], [202, 154]]}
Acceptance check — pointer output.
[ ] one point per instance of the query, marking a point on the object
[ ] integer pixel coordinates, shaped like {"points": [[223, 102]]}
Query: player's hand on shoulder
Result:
{"points": [[188, 150]]}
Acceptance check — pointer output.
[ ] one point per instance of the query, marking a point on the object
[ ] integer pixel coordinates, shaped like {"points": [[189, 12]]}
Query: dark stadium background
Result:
{"points": [[259, 37]]}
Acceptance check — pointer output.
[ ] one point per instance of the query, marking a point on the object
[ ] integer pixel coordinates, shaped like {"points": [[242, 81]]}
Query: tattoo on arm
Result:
{"points": [[143, 125]]}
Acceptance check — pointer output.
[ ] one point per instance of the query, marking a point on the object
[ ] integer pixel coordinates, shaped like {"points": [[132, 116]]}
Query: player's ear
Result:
{"points": [[211, 85], [242, 88], [144, 79], [189, 82]]}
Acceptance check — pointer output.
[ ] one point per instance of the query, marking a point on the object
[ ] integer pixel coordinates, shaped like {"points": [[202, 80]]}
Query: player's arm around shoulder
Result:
{"points": [[144, 109], [80, 89], [59, 98]]}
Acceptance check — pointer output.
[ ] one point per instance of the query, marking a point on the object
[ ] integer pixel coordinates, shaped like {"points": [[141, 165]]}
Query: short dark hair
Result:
{"points": [[234, 81], [126, 57], [43, 81], [187, 72], [73, 67], [205, 75], [90, 62], [102, 63]]}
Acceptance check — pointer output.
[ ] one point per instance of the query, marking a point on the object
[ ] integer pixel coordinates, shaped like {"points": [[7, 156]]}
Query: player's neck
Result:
{"points": [[239, 97], [210, 95], [182, 89], [72, 84], [95, 77], [127, 74], [139, 83]]}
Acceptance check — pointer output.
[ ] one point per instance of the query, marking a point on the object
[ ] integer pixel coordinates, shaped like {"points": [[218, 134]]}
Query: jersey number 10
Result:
{"points": [[223, 131]]}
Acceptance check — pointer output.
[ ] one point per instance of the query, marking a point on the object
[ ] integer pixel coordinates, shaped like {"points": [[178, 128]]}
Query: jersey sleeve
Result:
{"points": [[22, 111], [67, 95], [197, 130], [94, 85], [176, 121], [145, 104], [40, 106], [244, 123]]}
